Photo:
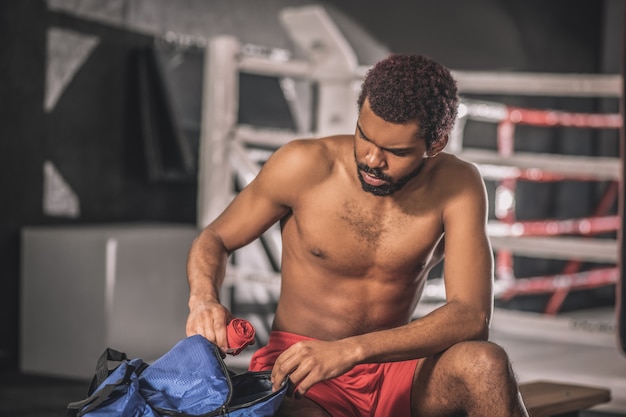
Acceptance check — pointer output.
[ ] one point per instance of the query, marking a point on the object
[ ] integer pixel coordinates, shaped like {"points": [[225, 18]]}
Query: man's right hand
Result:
{"points": [[209, 320]]}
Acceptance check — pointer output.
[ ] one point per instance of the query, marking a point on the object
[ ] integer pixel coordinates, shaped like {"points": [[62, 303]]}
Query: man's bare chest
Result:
{"points": [[345, 233]]}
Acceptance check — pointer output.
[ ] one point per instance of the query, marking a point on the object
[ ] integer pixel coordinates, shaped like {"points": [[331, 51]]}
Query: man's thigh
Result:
{"points": [[430, 393]]}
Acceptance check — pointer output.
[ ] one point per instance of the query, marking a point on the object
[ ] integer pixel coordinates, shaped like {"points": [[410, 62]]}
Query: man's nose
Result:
{"points": [[375, 157]]}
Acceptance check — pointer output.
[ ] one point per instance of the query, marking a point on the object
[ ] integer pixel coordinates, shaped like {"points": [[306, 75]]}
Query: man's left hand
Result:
{"points": [[311, 361]]}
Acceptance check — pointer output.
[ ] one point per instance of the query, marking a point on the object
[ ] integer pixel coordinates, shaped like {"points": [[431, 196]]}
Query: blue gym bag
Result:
{"points": [[191, 380]]}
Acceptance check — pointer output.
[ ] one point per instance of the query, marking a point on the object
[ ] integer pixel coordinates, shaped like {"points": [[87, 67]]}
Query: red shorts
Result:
{"points": [[373, 390]]}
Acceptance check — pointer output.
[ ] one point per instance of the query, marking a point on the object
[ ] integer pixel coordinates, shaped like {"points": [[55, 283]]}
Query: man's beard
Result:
{"points": [[390, 186]]}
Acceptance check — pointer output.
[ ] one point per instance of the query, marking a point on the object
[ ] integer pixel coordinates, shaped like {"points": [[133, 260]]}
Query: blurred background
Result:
{"points": [[104, 112]]}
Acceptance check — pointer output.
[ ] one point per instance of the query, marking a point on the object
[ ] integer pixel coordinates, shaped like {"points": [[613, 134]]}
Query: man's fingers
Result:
{"points": [[281, 371], [195, 326], [298, 383], [210, 322], [289, 367], [302, 385], [291, 387], [219, 326]]}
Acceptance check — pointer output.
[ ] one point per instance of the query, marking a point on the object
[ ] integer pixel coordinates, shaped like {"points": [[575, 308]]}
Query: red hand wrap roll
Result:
{"points": [[240, 334]]}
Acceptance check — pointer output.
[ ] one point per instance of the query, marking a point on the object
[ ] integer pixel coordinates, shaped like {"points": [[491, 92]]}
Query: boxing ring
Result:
{"points": [[567, 239]]}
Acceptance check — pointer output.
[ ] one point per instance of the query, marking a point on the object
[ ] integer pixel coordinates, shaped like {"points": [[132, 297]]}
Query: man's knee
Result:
{"points": [[478, 360], [477, 350], [478, 374]]}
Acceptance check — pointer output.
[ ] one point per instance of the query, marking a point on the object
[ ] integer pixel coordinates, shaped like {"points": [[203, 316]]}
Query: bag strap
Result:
{"points": [[102, 367], [80, 408]]}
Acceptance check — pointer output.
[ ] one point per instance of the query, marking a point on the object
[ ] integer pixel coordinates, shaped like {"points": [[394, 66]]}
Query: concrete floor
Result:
{"points": [[36, 396]]}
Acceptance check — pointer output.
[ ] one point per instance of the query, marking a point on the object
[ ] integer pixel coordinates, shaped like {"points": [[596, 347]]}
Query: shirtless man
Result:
{"points": [[364, 217]]}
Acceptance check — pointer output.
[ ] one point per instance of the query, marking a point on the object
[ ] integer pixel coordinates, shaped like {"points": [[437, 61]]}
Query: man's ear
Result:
{"points": [[437, 146]]}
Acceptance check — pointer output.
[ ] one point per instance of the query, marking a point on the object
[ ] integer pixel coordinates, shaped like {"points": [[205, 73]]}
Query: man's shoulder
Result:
{"points": [[308, 160], [452, 165], [454, 176], [326, 147], [314, 152]]}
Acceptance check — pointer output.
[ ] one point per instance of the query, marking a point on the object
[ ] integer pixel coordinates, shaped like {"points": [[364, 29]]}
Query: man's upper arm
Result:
{"points": [[468, 257], [266, 200]]}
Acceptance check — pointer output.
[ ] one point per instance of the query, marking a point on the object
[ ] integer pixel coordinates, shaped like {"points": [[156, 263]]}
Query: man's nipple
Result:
{"points": [[318, 253]]}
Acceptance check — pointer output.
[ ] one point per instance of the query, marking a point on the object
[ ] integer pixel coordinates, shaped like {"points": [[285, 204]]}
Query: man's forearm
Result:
{"points": [[205, 270], [423, 337], [206, 267]]}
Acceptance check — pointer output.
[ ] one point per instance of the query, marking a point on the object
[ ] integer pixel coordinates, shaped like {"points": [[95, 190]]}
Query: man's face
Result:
{"points": [[387, 155]]}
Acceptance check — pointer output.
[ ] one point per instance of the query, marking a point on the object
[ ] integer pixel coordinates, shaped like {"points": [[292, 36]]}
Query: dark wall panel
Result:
{"points": [[92, 136], [22, 129]]}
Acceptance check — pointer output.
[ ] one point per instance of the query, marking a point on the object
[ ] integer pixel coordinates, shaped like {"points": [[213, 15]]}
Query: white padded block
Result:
{"points": [[86, 288]]}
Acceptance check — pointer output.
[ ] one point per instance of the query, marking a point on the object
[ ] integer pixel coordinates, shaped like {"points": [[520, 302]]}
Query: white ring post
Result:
{"points": [[219, 116]]}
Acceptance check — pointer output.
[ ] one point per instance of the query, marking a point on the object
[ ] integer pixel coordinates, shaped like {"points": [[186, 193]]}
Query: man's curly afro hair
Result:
{"points": [[403, 88]]}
